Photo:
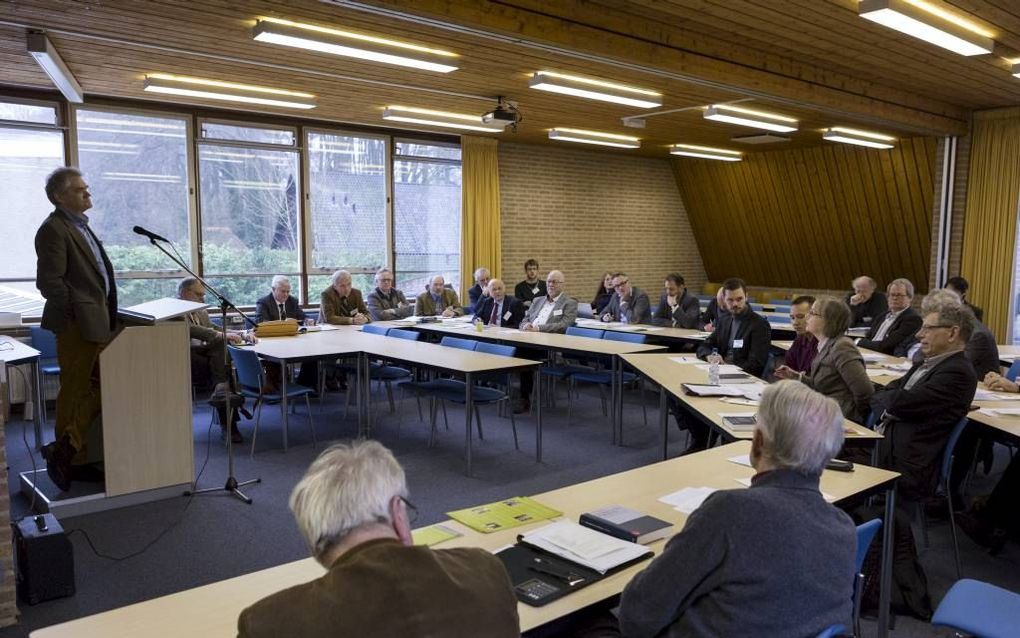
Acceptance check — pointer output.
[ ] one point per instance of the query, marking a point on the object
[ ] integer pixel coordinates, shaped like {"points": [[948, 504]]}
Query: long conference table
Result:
{"points": [[211, 611]]}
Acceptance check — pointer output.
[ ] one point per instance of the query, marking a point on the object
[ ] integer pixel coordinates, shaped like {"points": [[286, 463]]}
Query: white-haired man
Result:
{"points": [[772, 560], [352, 509], [866, 304], [386, 302], [279, 304], [342, 303], [480, 291]]}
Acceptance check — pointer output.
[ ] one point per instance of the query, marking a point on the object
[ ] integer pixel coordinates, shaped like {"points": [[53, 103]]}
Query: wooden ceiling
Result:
{"points": [[811, 59]]}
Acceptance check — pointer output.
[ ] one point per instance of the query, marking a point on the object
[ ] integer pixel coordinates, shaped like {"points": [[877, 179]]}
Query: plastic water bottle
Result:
{"points": [[713, 367], [479, 324]]}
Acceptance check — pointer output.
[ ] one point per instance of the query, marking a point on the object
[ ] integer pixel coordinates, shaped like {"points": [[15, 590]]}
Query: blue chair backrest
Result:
{"points": [[592, 333], [1012, 373], [376, 330], [456, 342], [45, 342], [496, 348], [947, 454], [312, 314], [865, 534], [757, 307], [249, 370], [410, 335], [629, 337], [780, 319]]}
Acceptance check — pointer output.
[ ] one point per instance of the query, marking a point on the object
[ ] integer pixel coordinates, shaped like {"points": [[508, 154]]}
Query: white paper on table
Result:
{"points": [[328, 326], [903, 366], [509, 331], [688, 499], [460, 319], [752, 391], [988, 395], [724, 368], [1001, 411], [733, 414], [584, 546], [685, 359], [873, 357], [746, 482], [740, 401], [716, 390], [699, 335], [882, 372], [742, 459], [459, 326]]}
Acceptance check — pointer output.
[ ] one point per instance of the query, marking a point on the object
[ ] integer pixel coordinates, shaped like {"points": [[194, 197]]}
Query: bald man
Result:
{"points": [[496, 308]]}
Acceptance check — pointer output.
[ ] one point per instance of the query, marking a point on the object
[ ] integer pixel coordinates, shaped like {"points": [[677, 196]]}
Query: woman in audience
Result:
{"points": [[604, 294], [838, 369]]}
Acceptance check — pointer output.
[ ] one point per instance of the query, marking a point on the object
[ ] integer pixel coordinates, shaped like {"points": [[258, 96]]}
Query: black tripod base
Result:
{"points": [[230, 488]]}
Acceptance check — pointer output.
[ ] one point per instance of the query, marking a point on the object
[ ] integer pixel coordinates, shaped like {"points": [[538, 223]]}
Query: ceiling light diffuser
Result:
{"points": [[227, 91], [443, 119], [935, 28], [595, 89], [706, 152], [858, 137], [582, 136], [750, 118]]}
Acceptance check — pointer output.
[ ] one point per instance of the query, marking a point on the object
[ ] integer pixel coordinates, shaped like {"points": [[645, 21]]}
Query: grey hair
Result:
{"points": [[902, 282], [951, 313], [936, 298], [185, 284], [379, 273], [801, 429], [338, 275], [480, 272], [279, 279], [866, 279], [349, 485], [58, 180], [835, 314], [433, 278]]}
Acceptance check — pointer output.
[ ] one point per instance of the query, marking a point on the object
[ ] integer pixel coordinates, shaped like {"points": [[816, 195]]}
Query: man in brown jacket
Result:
{"points": [[438, 300], [342, 303], [76, 278], [352, 508]]}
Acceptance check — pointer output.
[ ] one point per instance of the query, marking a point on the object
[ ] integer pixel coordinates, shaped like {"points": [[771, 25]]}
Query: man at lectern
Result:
{"points": [[76, 278]]}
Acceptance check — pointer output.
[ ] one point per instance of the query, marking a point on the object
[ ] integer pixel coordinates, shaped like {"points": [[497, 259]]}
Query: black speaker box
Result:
{"points": [[44, 558]]}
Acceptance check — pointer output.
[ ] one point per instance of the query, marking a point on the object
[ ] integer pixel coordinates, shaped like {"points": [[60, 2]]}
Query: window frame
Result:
{"points": [[295, 130]]}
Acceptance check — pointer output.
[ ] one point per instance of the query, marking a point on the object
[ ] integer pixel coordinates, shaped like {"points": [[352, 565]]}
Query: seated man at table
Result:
{"points": [[892, 331], [800, 355], [743, 337], [772, 560], [341, 303], [438, 300], [532, 286], [386, 302], [351, 507], [498, 308], [629, 303], [553, 312], [865, 303], [279, 305], [676, 309], [715, 309], [478, 292], [981, 349]]}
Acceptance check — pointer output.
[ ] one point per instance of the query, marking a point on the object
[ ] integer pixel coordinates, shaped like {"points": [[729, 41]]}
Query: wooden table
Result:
{"points": [[211, 611], [14, 352]]}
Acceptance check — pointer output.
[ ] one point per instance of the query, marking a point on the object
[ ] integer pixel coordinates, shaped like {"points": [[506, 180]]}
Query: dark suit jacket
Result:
{"points": [[474, 296], [867, 313], [382, 589], [920, 420], [712, 312], [899, 336], [69, 279], [686, 315], [756, 334], [638, 309], [266, 309], [510, 305]]}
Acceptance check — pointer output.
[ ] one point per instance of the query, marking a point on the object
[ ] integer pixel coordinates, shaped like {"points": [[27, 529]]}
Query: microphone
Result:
{"points": [[148, 233]]}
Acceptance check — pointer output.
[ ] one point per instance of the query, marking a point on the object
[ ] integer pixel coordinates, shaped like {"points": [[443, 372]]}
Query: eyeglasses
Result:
{"points": [[554, 281], [812, 313], [926, 328], [412, 511], [621, 284], [897, 294]]}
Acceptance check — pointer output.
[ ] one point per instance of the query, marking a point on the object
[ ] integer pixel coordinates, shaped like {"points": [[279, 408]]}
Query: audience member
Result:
{"points": [[805, 346], [715, 309], [386, 302], [960, 286], [865, 303], [629, 304], [604, 294], [438, 300], [892, 331], [838, 370], [676, 308], [352, 509], [342, 303], [554, 312], [772, 560], [278, 305], [742, 336], [478, 291], [525, 291], [499, 309], [981, 349]]}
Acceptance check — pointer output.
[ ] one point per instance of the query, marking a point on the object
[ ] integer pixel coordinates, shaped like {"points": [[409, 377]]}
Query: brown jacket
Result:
{"points": [[838, 372], [334, 309], [425, 307], [382, 589], [69, 278]]}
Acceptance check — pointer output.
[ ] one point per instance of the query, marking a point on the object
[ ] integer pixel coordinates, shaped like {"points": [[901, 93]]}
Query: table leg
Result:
{"points": [[664, 421], [283, 401], [885, 579], [37, 416], [613, 389], [538, 416], [468, 408], [619, 401]]}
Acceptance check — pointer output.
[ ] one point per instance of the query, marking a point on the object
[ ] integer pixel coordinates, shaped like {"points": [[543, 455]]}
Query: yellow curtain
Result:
{"points": [[480, 235], [990, 220]]}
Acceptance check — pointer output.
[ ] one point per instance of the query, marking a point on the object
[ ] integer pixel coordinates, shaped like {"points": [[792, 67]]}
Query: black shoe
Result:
{"points": [[522, 406], [58, 457]]}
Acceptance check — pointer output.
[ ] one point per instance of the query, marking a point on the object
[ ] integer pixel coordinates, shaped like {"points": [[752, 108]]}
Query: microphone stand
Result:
{"points": [[232, 398]]}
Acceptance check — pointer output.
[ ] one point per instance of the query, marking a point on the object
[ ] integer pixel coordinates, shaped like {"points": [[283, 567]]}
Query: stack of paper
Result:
{"points": [[688, 499], [1001, 411], [584, 546], [873, 357], [988, 395]]}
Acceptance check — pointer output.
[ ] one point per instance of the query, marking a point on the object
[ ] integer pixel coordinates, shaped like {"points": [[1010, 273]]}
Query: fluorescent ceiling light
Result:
{"points": [[1016, 70], [227, 91], [40, 47], [750, 118], [444, 119], [352, 45], [706, 152], [594, 137], [938, 28], [858, 137], [595, 89]]}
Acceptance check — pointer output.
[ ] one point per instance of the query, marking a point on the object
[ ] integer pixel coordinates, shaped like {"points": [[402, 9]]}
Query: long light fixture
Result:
{"points": [[352, 45], [1016, 70], [594, 137], [706, 152], [858, 137], [595, 89], [939, 28], [227, 91], [750, 118], [443, 119], [40, 47]]}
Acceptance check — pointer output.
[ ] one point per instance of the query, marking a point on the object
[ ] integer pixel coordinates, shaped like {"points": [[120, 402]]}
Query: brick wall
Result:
{"points": [[586, 212]]}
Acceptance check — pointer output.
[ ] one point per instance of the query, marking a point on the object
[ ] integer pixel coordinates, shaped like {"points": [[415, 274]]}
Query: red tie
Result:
{"points": [[494, 319]]}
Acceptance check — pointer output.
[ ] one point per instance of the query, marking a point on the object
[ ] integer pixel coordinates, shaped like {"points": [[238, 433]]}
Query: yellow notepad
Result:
{"points": [[512, 512], [433, 535]]}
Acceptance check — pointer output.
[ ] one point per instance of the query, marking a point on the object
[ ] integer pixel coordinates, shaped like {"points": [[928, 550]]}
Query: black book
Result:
{"points": [[626, 524]]}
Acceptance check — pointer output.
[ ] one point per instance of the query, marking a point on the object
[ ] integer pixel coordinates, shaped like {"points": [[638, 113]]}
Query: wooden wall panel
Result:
{"points": [[814, 218]]}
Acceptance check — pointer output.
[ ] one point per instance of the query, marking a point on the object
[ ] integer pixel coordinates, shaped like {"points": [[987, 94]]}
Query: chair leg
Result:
{"points": [[389, 395], [858, 592], [347, 400], [602, 397], [478, 423], [311, 424], [513, 425], [641, 394], [445, 419], [255, 432], [417, 400], [952, 522]]}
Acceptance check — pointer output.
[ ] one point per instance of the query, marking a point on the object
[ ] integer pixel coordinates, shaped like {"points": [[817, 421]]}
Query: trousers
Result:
{"points": [[78, 402]]}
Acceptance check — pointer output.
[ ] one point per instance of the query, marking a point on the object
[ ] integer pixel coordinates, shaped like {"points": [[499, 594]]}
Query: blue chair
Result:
{"points": [[46, 343], [1014, 370], [604, 378], [945, 475], [832, 632], [979, 609], [865, 535], [784, 319], [371, 328], [249, 380], [410, 335], [554, 373], [457, 342]]}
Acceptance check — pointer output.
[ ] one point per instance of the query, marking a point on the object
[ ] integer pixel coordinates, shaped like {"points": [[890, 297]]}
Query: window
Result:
{"points": [[136, 166], [30, 148], [250, 209], [426, 214]]}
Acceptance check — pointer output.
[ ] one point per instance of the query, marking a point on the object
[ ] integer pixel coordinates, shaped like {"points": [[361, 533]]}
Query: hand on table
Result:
{"points": [[786, 372], [996, 381], [359, 319], [448, 313]]}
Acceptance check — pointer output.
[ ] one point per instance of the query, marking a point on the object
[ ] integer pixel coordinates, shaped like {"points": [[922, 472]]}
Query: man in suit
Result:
{"points": [[532, 286], [629, 303], [716, 308], [865, 304], [438, 300], [352, 508], [553, 312], [479, 291], [892, 332], [499, 309], [76, 278], [341, 303], [386, 302], [742, 337], [677, 309], [279, 304]]}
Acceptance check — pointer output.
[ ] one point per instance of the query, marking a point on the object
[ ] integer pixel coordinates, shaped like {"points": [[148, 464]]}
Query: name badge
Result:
{"points": [[557, 313], [506, 315], [534, 290], [738, 343]]}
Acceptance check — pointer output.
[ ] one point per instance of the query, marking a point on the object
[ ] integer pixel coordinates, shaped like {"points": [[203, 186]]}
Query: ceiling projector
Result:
{"points": [[506, 113]]}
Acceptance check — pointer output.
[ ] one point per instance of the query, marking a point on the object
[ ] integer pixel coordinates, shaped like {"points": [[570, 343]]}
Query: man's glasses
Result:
{"points": [[928, 328], [621, 284]]}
